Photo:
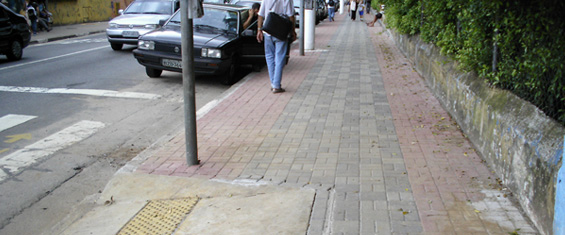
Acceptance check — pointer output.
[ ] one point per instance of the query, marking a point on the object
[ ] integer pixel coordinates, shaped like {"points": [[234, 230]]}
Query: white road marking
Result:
{"points": [[47, 146], [52, 58], [3, 175], [91, 40], [11, 120], [93, 92]]}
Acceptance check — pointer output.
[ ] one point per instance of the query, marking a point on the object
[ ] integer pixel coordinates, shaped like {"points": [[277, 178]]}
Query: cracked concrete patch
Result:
{"points": [[223, 207]]}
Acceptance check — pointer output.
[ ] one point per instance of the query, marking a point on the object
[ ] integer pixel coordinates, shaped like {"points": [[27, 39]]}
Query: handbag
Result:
{"points": [[277, 25]]}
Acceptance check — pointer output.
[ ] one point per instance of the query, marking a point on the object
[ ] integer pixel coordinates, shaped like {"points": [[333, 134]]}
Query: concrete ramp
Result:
{"points": [[235, 207]]}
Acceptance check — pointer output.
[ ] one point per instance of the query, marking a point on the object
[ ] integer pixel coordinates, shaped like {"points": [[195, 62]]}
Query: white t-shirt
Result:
{"points": [[283, 7]]}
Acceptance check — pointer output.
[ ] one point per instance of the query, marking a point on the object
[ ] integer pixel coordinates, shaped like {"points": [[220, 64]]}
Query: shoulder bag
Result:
{"points": [[277, 25]]}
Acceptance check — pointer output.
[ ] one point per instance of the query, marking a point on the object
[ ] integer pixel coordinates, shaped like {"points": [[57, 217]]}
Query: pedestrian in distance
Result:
{"points": [[331, 9], [361, 9], [275, 49], [31, 14], [353, 8], [377, 17], [43, 17]]}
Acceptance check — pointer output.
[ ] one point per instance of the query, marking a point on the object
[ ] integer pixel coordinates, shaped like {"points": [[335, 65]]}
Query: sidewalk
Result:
{"points": [[69, 31], [356, 145]]}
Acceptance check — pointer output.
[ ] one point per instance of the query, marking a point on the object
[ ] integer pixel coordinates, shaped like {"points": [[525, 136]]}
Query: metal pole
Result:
{"points": [[301, 27], [187, 47]]}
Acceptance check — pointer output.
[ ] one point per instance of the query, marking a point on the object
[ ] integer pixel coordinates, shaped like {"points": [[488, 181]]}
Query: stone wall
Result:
{"points": [[82, 11], [519, 143]]}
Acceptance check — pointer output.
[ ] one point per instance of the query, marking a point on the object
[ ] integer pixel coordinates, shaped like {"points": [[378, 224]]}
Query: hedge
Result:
{"points": [[515, 45]]}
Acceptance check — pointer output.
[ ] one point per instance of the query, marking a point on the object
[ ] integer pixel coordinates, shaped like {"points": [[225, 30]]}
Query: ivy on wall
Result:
{"points": [[517, 45]]}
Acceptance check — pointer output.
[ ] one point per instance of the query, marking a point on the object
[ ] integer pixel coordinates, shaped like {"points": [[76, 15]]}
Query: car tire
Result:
{"points": [[116, 46], [153, 73], [16, 50], [230, 76]]}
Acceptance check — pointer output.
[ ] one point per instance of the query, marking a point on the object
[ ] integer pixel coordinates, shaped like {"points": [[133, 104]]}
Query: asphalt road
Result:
{"points": [[73, 112]]}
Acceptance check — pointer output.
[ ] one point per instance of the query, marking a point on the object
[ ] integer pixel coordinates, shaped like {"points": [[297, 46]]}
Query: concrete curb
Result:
{"points": [[56, 38]]}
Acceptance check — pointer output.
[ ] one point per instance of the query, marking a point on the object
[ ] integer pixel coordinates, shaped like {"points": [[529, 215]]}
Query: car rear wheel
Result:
{"points": [[16, 50], [153, 73], [116, 46]]}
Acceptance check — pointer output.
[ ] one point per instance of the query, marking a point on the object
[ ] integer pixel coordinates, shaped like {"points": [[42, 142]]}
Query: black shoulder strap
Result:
{"points": [[273, 5]]}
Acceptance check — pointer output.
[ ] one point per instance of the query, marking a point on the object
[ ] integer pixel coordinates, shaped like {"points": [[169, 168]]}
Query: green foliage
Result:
{"points": [[516, 44], [406, 12]]}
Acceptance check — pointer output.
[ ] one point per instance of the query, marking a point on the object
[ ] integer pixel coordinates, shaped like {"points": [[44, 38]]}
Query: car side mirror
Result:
{"points": [[162, 22], [121, 11]]}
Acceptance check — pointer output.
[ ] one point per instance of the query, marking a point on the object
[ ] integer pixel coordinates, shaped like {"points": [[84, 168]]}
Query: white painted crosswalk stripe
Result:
{"points": [[47, 146], [92, 92], [3, 175], [11, 120]]}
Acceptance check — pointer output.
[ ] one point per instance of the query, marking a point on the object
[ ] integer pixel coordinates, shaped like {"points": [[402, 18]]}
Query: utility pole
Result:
{"points": [[187, 47]]}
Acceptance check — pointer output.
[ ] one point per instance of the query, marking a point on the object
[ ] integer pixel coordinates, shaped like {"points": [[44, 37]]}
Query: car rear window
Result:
{"points": [[219, 19]]}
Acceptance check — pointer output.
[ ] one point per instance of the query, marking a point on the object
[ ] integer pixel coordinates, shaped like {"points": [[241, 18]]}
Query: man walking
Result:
{"points": [[275, 49]]}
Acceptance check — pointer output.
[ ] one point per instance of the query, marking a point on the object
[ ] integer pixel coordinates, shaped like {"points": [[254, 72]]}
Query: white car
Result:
{"points": [[140, 17]]}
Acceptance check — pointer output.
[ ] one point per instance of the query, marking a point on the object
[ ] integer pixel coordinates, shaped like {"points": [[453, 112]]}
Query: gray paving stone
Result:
{"points": [[337, 132]]}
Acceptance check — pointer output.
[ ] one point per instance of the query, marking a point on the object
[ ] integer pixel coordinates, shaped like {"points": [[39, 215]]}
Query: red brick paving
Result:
{"points": [[230, 133], [444, 170]]}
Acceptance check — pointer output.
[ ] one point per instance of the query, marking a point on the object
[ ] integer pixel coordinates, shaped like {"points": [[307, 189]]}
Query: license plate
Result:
{"points": [[130, 34], [172, 63]]}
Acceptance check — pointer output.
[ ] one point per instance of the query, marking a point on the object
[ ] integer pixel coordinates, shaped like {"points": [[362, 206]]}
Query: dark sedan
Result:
{"points": [[14, 33], [221, 44]]}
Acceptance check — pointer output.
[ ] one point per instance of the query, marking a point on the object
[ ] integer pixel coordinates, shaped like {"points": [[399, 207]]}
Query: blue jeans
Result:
{"points": [[275, 52], [331, 12], [34, 26]]}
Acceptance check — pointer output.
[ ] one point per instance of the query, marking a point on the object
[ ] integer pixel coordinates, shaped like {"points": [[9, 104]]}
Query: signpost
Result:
{"points": [[189, 9]]}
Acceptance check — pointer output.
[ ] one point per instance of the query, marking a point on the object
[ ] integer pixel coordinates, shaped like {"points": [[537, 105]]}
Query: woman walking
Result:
{"points": [[361, 8], [331, 9]]}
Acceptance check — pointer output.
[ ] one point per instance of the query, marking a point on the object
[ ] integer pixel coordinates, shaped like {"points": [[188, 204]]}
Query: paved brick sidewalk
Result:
{"points": [[359, 125], [454, 190]]}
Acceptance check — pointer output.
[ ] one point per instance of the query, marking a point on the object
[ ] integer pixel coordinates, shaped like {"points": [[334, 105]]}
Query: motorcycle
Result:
{"points": [[46, 17]]}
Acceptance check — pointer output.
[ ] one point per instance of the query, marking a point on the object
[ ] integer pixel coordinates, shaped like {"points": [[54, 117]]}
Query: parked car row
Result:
{"points": [[221, 44], [321, 11]]}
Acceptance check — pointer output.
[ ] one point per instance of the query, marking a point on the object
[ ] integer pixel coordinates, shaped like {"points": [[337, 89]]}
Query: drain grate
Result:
{"points": [[159, 216]]}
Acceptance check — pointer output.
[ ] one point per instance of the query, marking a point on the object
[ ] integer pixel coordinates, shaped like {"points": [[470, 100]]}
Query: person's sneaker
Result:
{"points": [[277, 90]]}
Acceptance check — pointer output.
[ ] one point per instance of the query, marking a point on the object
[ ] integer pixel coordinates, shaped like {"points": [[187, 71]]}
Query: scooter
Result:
{"points": [[47, 17]]}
